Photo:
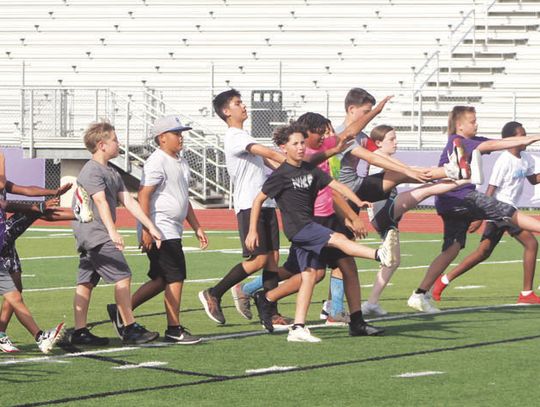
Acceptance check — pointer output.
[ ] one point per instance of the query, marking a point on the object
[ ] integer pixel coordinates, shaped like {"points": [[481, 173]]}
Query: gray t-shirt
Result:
{"points": [[95, 178], [353, 170]]}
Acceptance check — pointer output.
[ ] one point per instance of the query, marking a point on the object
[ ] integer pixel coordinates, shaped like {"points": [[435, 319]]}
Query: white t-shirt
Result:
{"points": [[508, 175], [247, 171], [169, 202]]}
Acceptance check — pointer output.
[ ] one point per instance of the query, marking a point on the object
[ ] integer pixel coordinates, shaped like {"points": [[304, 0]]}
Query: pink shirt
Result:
{"points": [[324, 204]]}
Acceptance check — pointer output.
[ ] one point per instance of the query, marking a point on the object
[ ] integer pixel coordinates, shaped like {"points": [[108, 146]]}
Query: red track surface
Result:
{"points": [[224, 219]]}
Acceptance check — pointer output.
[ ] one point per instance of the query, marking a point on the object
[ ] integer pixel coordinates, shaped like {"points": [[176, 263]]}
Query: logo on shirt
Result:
{"points": [[302, 182]]}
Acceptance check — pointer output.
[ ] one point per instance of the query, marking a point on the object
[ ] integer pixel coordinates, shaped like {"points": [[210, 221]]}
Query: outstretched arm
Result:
{"points": [[348, 193], [534, 179], [32, 190], [266, 153], [252, 239], [505, 143]]}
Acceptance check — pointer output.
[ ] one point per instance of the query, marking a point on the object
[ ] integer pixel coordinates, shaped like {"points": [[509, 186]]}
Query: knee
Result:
{"points": [[320, 275], [484, 253]]}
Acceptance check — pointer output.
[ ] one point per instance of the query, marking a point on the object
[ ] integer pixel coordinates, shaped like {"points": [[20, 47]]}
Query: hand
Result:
{"points": [[252, 241], [156, 235], [474, 226], [364, 204], [51, 204], [357, 227], [344, 142], [422, 176], [380, 106], [63, 189], [203, 239], [146, 241], [117, 240]]}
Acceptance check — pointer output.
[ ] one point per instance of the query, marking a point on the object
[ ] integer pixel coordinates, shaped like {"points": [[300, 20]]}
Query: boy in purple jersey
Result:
{"points": [[461, 206]]}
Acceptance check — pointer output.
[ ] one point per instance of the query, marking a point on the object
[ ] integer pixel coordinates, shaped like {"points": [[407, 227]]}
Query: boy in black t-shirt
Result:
{"points": [[295, 185]]}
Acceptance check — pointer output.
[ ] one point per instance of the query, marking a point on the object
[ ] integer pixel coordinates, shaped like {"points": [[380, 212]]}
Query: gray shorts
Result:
{"points": [[104, 261], [6, 282]]}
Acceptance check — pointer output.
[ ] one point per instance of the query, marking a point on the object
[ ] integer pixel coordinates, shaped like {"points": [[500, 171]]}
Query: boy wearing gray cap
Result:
{"points": [[163, 196]]}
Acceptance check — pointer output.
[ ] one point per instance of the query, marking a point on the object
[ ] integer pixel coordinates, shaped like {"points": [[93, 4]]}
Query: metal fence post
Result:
{"points": [[127, 164], [31, 147], [420, 117], [23, 95], [204, 173]]}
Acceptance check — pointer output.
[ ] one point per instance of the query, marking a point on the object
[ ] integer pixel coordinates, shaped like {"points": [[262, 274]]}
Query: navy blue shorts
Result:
{"points": [[308, 244]]}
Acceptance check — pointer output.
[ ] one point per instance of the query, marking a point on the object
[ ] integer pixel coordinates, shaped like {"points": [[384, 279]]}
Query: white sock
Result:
{"points": [[525, 293], [444, 280]]}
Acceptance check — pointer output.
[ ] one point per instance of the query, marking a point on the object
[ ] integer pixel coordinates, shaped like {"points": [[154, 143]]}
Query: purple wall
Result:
{"points": [[23, 171], [529, 199]]}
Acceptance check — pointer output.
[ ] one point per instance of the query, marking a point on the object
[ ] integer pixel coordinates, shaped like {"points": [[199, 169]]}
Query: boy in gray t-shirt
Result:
{"points": [[100, 187]]}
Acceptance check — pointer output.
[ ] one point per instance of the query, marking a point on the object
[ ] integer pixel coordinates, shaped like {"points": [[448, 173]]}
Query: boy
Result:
{"points": [[163, 196], [460, 207], [99, 243], [505, 184], [295, 185]]}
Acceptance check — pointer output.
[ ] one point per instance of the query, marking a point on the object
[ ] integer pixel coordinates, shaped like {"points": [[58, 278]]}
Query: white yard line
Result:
{"points": [[418, 374]]}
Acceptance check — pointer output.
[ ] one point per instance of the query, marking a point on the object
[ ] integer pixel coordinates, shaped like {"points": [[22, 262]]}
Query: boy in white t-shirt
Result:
{"points": [[163, 196], [506, 185]]}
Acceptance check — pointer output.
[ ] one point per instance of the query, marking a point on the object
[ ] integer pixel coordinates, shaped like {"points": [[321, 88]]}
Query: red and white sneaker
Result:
{"points": [[438, 288], [458, 166], [6, 345], [531, 298]]}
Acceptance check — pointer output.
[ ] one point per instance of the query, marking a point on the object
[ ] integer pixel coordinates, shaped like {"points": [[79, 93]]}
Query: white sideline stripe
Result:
{"points": [[245, 334], [271, 369], [139, 365], [469, 287], [419, 374], [371, 285], [129, 231]]}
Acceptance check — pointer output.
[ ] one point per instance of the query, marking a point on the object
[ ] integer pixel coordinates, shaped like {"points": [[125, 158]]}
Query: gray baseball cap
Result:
{"points": [[167, 123]]}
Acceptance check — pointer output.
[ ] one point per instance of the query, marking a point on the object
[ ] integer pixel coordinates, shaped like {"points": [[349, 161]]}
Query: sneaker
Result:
{"points": [[281, 323], [477, 173], [326, 307], [532, 298], [340, 319], [457, 166], [82, 211], [389, 249], [85, 337], [420, 303], [6, 345], [137, 334], [48, 339], [181, 336], [212, 306], [264, 307], [365, 330], [438, 288], [299, 334], [374, 310], [241, 301], [116, 320]]}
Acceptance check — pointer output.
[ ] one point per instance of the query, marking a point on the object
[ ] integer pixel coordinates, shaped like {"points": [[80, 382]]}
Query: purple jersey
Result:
{"points": [[454, 198]]}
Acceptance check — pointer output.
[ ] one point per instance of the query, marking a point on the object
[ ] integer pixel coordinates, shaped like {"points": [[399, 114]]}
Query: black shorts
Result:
{"points": [[167, 262], [494, 231], [16, 225], [381, 216], [267, 228], [476, 206], [371, 189]]}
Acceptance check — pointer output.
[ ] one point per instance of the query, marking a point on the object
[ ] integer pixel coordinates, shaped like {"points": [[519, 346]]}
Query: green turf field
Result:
{"points": [[468, 357]]}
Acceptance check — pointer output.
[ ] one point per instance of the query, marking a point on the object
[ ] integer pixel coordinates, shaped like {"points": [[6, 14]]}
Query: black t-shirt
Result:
{"points": [[295, 190]]}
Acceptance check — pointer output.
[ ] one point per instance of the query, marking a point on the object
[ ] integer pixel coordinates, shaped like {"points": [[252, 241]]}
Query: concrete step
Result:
{"points": [[511, 13], [499, 41], [463, 84], [428, 113], [474, 69], [485, 55], [452, 99], [439, 129], [505, 27]]}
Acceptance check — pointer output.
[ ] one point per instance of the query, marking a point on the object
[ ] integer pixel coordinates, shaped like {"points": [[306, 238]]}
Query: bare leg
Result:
{"points": [[147, 291], [303, 300], [351, 283], [290, 286], [122, 295], [83, 293], [7, 309], [482, 253], [22, 312], [437, 267], [526, 222], [173, 296], [381, 281], [530, 245], [351, 248]]}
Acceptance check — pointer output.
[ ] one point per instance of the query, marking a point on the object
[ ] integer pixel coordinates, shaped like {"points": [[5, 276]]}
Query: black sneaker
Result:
{"points": [[137, 334], [181, 336], [364, 330], [85, 337], [116, 320], [264, 307]]}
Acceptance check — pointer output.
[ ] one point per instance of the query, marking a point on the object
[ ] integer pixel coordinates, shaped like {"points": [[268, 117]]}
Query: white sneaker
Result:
{"points": [[81, 209], [301, 335], [420, 303], [457, 166], [326, 307], [389, 249], [374, 310], [477, 173], [48, 339], [6, 345]]}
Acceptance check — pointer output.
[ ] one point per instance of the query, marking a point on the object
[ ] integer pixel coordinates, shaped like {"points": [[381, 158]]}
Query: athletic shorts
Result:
{"points": [[267, 228], [381, 216], [476, 206], [371, 188], [104, 261], [494, 231], [6, 282], [16, 225], [167, 262], [307, 246]]}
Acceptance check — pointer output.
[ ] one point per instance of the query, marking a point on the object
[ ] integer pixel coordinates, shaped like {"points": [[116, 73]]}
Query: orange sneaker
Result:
{"points": [[438, 288], [532, 298]]}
